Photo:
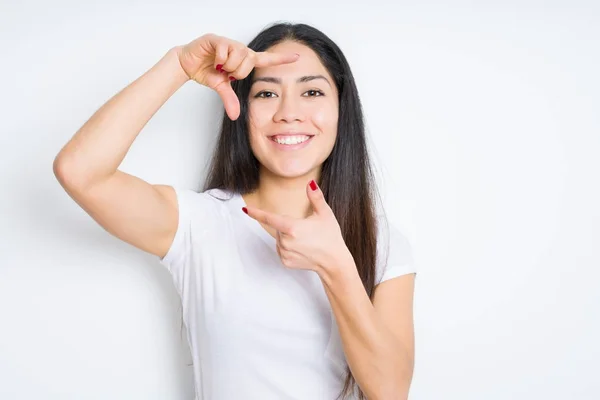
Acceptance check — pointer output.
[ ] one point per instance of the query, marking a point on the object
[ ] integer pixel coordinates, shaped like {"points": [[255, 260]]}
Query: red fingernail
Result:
{"points": [[244, 209], [219, 67], [231, 78], [313, 185]]}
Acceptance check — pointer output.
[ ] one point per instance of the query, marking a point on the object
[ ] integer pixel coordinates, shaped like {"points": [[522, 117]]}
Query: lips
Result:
{"points": [[291, 147], [286, 134]]}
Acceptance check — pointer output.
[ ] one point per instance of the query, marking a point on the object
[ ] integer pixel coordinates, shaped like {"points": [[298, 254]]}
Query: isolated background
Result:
{"points": [[485, 131]]}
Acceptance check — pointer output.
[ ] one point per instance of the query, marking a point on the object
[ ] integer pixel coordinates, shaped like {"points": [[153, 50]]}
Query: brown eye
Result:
{"points": [[314, 93], [265, 92]]}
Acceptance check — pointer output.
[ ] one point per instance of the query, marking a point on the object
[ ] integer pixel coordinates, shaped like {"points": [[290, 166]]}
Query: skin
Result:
{"points": [[378, 336], [310, 107]]}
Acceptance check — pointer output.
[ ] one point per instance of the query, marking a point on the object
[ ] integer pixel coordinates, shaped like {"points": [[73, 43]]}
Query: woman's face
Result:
{"points": [[296, 99]]}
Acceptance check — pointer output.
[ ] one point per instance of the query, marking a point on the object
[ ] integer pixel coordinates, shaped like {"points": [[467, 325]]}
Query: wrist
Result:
{"points": [[174, 53], [340, 266]]}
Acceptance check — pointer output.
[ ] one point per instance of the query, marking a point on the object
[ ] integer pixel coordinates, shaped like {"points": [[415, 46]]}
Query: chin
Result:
{"points": [[290, 171]]}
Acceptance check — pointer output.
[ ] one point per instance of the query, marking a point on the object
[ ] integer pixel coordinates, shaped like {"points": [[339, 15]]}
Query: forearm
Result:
{"points": [[101, 144], [378, 360]]}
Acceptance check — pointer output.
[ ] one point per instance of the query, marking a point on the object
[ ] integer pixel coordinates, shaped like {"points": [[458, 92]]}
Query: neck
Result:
{"points": [[281, 195]]}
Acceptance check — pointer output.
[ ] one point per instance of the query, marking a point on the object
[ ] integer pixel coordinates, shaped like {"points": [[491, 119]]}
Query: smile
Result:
{"points": [[295, 142]]}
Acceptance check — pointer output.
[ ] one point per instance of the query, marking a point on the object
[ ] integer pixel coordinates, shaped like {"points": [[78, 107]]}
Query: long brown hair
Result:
{"points": [[346, 178]]}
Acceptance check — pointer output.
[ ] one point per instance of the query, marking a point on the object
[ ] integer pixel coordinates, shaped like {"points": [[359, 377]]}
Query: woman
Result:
{"points": [[305, 296]]}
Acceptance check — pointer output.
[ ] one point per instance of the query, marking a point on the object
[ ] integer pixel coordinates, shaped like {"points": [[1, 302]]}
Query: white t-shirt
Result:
{"points": [[256, 329]]}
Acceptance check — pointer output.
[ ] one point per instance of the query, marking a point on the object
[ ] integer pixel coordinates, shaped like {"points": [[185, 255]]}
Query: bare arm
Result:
{"points": [[133, 210], [141, 214]]}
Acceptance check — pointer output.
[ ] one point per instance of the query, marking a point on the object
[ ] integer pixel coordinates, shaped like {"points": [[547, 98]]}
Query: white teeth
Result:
{"points": [[292, 139]]}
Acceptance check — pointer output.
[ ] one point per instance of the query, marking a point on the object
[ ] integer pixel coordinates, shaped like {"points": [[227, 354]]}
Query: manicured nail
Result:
{"points": [[313, 185], [244, 209], [219, 67], [231, 78]]}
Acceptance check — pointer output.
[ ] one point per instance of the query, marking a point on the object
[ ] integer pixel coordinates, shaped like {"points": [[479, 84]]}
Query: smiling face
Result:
{"points": [[299, 99]]}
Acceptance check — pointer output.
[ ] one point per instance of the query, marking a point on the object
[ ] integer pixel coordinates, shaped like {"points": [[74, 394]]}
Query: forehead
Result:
{"points": [[307, 63]]}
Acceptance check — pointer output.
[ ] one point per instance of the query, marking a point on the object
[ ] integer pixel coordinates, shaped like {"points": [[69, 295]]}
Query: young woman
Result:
{"points": [[292, 284]]}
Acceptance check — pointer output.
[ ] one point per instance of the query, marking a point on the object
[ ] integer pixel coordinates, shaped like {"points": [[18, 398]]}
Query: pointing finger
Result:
{"points": [[278, 222], [266, 59]]}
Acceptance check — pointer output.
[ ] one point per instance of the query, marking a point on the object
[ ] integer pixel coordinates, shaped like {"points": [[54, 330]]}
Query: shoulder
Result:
{"points": [[390, 236], [394, 251], [209, 204], [209, 196], [219, 195]]}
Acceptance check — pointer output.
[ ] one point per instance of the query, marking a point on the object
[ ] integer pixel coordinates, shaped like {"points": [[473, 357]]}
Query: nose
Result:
{"points": [[289, 110]]}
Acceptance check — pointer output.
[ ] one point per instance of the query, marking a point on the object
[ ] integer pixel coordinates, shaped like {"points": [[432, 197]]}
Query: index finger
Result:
{"points": [[266, 59], [279, 222]]}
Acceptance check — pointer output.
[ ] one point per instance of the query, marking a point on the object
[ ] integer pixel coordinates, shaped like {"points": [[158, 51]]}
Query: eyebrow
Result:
{"points": [[303, 79]]}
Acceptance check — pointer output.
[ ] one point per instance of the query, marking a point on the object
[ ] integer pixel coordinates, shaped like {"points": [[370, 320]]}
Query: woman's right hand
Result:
{"points": [[214, 61]]}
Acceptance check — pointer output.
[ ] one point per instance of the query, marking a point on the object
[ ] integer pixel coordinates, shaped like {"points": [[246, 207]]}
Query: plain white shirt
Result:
{"points": [[257, 329]]}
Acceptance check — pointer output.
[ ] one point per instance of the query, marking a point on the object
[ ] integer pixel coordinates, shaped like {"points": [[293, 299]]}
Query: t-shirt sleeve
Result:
{"points": [[183, 236], [197, 216], [394, 253]]}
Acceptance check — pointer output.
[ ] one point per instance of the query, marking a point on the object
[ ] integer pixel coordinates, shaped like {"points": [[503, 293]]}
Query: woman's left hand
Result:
{"points": [[313, 243]]}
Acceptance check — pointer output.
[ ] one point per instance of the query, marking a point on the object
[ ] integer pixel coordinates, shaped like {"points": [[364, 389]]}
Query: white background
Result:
{"points": [[484, 122]]}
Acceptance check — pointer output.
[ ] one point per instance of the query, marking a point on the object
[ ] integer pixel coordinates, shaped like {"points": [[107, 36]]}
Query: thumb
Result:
{"points": [[316, 197], [229, 98]]}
